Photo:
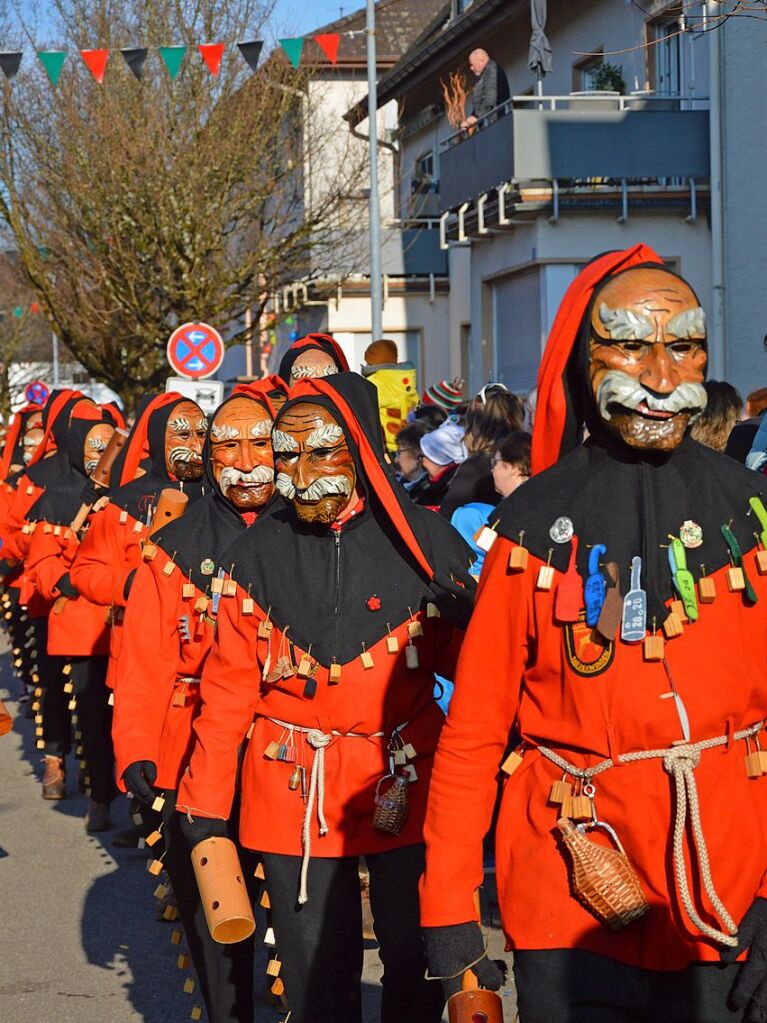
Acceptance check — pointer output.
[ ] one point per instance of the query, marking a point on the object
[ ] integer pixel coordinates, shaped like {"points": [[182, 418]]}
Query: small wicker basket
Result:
{"points": [[391, 805], [602, 879]]}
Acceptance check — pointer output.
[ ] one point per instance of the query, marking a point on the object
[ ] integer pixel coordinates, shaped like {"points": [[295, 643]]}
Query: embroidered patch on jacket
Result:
{"points": [[586, 652]]}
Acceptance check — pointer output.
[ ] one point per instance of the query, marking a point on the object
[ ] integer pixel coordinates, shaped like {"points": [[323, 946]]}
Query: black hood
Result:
{"points": [[208, 526], [319, 582]]}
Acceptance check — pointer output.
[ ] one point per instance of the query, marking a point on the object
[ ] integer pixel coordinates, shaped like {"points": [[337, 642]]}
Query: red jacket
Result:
{"points": [[110, 551], [154, 707], [516, 671], [365, 702]]}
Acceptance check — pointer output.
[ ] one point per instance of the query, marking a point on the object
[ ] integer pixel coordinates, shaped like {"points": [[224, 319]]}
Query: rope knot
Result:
{"points": [[681, 756], [318, 739]]}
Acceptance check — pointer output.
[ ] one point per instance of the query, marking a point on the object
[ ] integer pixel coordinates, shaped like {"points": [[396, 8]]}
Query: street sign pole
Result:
{"points": [[376, 284]]}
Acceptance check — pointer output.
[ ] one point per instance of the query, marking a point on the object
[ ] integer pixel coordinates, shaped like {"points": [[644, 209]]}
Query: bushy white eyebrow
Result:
{"points": [[283, 441], [689, 323], [262, 428], [224, 432], [313, 372], [625, 324], [324, 437], [180, 424]]}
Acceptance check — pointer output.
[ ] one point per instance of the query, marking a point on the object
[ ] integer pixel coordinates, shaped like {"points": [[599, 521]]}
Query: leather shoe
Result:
{"points": [[55, 778]]}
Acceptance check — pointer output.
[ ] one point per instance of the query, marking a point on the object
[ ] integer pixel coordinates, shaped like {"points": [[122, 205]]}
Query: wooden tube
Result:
{"points": [[171, 506], [102, 473], [223, 893], [474, 1004]]}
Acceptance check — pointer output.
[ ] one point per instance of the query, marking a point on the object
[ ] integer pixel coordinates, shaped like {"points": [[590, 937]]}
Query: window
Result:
{"points": [[583, 71], [424, 166], [665, 57], [457, 7]]}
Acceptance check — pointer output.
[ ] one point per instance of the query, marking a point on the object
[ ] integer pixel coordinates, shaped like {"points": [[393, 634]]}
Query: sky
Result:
{"points": [[300, 16]]}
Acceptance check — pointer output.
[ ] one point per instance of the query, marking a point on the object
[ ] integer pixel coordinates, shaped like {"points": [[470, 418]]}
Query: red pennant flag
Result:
{"points": [[212, 53], [96, 62], [329, 45]]}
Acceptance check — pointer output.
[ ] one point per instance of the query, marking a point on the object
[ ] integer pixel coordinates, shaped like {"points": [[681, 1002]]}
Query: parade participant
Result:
{"points": [[165, 445], [396, 385], [77, 635], [157, 700], [316, 355], [635, 713], [331, 640], [28, 417]]}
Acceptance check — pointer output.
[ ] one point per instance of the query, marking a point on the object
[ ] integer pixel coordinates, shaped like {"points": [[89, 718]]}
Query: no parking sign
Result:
{"points": [[195, 350], [37, 392]]}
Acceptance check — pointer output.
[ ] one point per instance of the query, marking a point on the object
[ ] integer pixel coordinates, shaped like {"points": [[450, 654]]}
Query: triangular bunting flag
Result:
{"points": [[96, 62], [135, 58], [173, 58], [329, 45], [9, 64], [292, 48], [251, 51], [212, 53], [53, 62]]}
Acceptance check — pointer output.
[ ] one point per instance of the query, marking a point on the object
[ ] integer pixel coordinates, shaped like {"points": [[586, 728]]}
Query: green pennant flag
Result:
{"points": [[53, 62], [292, 48], [173, 58]]}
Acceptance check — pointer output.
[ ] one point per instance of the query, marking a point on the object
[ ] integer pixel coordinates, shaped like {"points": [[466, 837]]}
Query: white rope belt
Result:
{"points": [[680, 762], [318, 740]]}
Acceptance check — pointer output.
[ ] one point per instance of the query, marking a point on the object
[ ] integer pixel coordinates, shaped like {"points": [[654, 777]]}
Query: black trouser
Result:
{"points": [[225, 972], [320, 943], [571, 986], [94, 718], [54, 702]]}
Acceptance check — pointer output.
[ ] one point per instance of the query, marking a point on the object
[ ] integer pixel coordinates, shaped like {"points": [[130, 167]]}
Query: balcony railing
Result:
{"points": [[583, 137]]}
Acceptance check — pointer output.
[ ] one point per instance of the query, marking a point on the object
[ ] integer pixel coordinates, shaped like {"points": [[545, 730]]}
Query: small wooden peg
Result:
{"points": [[432, 611], [170, 566], [170, 913], [392, 643], [247, 605], [761, 562], [155, 867], [265, 901], [485, 537], [672, 626], [736, 581], [196, 1013], [149, 552], [183, 961], [259, 871], [366, 658], [677, 608], [272, 750], [153, 838], [188, 986], [560, 791], [653, 648], [269, 938], [580, 808], [217, 585], [201, 604], [411, 656], [277, 987], [753, 762], [511, 763], [265, 629], [158, 804], [273, 967], [176, 937], [414, 629], [160, 891], [706, 587], [334, 674], [305, 666]]}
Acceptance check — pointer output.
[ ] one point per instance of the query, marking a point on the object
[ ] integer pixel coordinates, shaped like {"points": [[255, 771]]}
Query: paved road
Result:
{"points": [[80, 941]]}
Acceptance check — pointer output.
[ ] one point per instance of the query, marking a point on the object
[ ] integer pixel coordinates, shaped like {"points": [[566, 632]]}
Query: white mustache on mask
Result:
{"points": [[184, 455], [231, 477], [323, 486], [617, 387]]}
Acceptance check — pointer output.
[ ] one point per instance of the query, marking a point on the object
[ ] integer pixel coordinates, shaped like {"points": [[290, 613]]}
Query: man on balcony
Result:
{"points": [[491, 90]]}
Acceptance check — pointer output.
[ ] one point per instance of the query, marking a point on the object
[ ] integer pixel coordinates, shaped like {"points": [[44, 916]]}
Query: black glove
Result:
{"points": [[139, 778], [91, 493], [197, 830], [450, 950], [65, 587], [750, 988], [454, 596]]}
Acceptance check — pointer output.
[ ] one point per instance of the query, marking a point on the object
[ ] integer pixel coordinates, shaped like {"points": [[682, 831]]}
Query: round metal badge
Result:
{"points": [[562, 530], [691, 534], [207, 566]]}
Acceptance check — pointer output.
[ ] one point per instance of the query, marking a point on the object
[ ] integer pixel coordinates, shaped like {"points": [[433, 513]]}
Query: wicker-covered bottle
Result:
{"points": [[391, 805], [602, 879]]}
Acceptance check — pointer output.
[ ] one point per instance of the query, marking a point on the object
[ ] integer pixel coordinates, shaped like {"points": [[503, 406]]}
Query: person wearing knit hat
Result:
{"points": [[396, 385], [442, 451], [613, 642], [448, 394]]}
